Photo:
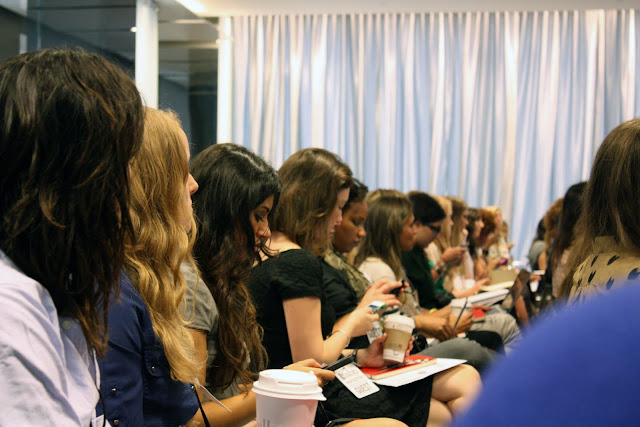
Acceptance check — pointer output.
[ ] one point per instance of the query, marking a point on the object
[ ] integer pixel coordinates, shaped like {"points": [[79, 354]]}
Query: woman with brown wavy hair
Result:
{"points": [[292, 305], [69, 123], [149, 365]]}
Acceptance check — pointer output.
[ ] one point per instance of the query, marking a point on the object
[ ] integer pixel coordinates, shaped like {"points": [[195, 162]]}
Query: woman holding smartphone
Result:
{"points": [[291, 302]]}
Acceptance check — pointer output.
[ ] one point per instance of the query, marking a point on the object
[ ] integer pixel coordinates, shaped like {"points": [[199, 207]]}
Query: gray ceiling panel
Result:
{"points": [[187, 49]]}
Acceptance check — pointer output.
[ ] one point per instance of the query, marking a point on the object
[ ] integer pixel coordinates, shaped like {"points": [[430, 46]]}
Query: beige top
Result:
{"points": [[376, 269], [609, 267]]}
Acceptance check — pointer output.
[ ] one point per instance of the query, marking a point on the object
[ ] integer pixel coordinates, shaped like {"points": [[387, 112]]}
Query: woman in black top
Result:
{"points": [[291, 302]]}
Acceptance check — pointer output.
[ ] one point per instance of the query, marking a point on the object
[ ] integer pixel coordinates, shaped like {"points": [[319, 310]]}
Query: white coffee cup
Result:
{"points": [[286, 398], [398, 329]]}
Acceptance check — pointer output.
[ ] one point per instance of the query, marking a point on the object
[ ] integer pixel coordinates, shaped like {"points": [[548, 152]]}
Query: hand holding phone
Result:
{"points": [[344, 361], [377, 306], [396, 291]]}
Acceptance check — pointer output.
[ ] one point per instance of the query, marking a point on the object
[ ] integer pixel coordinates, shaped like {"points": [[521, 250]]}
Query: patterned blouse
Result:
{"points": [[609, 267]]}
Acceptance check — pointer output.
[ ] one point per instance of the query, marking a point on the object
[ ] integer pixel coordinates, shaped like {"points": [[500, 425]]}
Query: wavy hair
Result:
{"points": [[70, 121], [550, 220], [159, 173], [489, 219], [233, 182], [610, 204], [384, 224], [458, 206], [311, 180]]}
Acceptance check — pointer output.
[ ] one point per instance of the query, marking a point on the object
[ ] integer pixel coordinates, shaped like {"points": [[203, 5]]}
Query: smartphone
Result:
{"points": [[340, 363], [396, 291], [377, 306]]}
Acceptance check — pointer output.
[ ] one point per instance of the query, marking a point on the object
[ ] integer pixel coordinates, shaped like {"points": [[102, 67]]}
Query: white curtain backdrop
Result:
{"points": [[500, 108]]}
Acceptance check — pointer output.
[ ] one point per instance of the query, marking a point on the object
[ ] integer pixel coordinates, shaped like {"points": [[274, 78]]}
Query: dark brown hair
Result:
{"points": [[311, 180], [71, 121], [564, 236], [233, 182]]}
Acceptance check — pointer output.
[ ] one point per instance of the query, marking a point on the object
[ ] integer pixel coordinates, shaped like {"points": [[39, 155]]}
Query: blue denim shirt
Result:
{"points": [[136, 385]]}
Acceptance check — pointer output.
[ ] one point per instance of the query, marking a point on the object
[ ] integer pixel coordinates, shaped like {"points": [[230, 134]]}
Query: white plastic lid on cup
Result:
{"points": [[285, 384], [398, 321]]}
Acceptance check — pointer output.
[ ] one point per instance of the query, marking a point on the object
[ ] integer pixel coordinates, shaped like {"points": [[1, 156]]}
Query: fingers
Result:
{"points": [[390, 286], [379, 284], [390, 300], [311, 363], [379, 341], [448, 331], [323, 375]]}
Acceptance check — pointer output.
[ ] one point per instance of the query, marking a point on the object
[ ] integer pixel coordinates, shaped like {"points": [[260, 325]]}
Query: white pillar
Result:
{"points": [[147, 51], [225, 79]]}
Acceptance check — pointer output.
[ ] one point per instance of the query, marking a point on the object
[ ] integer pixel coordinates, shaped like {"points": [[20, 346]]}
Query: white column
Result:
{"points": [[147, 51], [225, 79]]}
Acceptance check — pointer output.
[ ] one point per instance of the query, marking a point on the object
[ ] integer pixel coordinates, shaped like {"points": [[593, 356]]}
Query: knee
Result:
{"points": [[376, 422]]}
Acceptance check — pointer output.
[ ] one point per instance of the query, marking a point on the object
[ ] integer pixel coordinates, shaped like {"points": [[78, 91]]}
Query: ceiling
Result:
{"points": [[188, 50], [243, 7], [188, 30]]}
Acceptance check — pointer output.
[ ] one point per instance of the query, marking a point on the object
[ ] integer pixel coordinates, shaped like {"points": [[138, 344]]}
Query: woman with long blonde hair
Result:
{"points": [[448, 257], [149, 364]]}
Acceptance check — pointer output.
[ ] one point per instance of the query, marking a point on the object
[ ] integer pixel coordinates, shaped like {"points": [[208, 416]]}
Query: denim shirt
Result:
{"points": [[136, 386]]}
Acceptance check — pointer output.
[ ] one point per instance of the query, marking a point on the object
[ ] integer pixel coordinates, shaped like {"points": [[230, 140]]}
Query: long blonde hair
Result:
{"points": [[159, 172], [458, 206]]}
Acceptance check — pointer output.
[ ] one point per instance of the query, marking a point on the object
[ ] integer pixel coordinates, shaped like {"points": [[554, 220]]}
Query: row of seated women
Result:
{"points": [[98, 237], [255, 296]]}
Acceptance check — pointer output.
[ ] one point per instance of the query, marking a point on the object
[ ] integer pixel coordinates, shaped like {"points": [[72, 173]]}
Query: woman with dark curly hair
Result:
{"points": [[70, 123], [238, 192]]}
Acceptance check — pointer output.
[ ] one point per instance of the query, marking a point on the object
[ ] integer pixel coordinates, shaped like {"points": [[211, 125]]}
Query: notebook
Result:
{"points": [[416, 361]]}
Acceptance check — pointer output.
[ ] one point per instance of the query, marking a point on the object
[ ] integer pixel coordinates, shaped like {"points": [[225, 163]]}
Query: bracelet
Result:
{"points": [[355, 355], [345, 334]]}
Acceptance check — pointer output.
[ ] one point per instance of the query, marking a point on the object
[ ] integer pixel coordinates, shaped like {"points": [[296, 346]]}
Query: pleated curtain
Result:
{"points": [[499, 108]]}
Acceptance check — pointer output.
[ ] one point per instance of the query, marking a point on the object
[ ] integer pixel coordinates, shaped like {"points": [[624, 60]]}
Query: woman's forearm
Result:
{"points": [[243, 410]]}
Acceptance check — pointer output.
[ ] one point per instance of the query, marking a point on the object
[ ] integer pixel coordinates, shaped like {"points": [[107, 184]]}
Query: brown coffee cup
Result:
{"points": [[398, 329]]}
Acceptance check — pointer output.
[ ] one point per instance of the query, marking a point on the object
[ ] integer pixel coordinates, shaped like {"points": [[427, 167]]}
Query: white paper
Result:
{"points": [[208, 397], [354, 380], [418, 374]]}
